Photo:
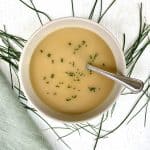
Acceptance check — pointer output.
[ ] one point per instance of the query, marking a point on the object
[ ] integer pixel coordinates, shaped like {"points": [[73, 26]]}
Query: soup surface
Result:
{"points": [[58, 70]]}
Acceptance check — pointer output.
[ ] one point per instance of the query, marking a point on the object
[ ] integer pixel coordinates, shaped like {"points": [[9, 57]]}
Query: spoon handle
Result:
{"points": [[133, 84]]}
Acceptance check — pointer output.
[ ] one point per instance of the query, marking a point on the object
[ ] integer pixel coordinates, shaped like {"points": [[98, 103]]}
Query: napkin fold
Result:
{"points": [[17, 129]]}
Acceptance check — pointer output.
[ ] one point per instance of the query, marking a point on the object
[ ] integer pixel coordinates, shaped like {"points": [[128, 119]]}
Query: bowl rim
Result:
{"points": [[31, 40]]}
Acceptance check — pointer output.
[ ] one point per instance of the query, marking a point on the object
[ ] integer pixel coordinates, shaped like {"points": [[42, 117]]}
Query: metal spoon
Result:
{"points": [[134, 85]]}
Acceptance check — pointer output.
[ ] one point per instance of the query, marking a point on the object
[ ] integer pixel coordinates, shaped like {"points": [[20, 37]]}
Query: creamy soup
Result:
{"points": [[58, 70]]}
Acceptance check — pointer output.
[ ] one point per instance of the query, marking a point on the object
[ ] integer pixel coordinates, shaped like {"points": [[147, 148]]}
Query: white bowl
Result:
{"points": [[38, 36]]}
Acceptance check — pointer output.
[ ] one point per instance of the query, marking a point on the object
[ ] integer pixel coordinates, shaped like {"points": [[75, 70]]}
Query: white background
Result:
{"points": [[122, 18]]}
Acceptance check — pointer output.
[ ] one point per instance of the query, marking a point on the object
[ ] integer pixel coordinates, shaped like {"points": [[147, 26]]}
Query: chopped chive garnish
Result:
{"points": [[73, 63], [68, 99], [76, 49], [69, 86], [70, 73], [54, 93], [62, 60], [96, 54], [79, 46], [92, 57], [52, 61], [70, 43], [44, 78], [92, 89], [52, 75], [74, 96], [48, 55], [61, 82], [41, 50], [90, 71], [83, 42], [103, 64]]}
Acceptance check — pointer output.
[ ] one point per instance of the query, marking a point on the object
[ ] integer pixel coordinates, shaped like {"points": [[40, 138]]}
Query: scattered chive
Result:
{"points": [[52, 75], [76, 49], [68, 99], [90, 56], [92, 89], [54, 93], [52, 61], [48, 55], [79, 46], [96, 54], [41, 51], [62, 60], [57, 86], [93, 57], [44, 78], [90, 71], [70, 43], [74, 96], [83, 42], [73, 63], [61, 82], [103, 64], [70, 73], [68, 86]]}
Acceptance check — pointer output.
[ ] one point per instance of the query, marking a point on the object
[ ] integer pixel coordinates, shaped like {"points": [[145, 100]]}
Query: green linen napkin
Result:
{"points": [[17, 129]]}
